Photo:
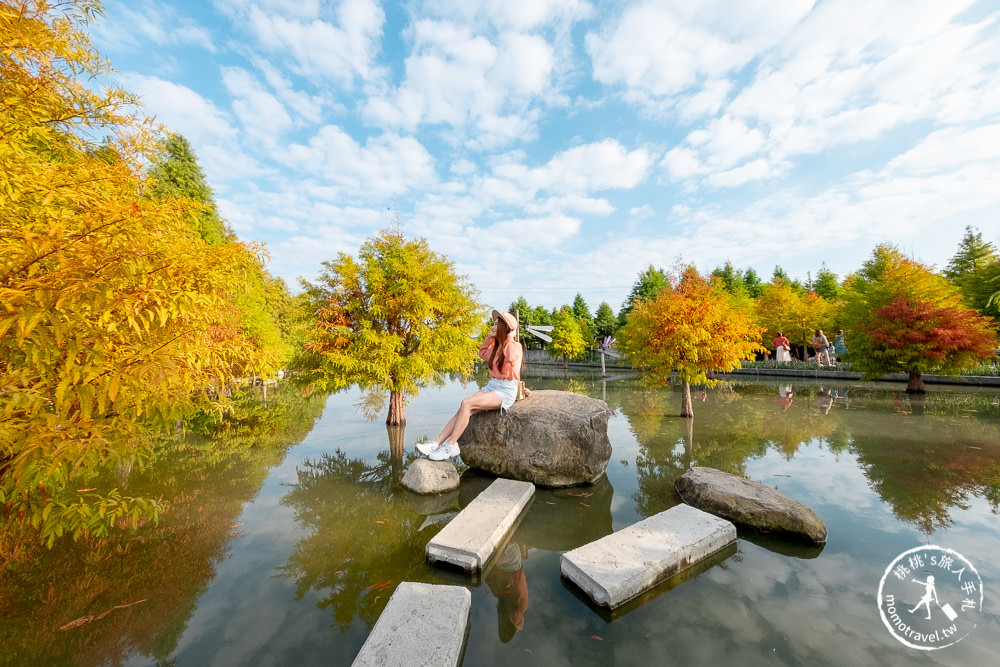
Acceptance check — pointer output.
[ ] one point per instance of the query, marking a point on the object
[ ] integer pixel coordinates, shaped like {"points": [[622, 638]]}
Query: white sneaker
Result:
{"points": [[427, 448], [445, 451]]}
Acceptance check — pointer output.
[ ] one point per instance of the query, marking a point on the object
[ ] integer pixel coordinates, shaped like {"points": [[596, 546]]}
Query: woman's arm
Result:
{"points": [[484, 349]]}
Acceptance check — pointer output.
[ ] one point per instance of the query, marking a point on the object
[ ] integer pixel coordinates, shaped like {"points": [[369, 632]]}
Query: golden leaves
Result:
{"points": [[116, 315]]}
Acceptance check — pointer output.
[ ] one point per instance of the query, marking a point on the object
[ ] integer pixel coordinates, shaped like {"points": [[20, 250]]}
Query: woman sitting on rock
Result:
{"points": [[503, 355]]}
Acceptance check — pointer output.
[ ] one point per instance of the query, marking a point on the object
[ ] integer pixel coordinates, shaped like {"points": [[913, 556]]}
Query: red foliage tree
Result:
{"points": [[906, 319]]}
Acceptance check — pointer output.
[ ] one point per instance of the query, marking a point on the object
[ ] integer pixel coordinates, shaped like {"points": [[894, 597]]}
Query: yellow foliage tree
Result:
{"points": [[692, 328], [396, 318], [781, 309], [114, 313]]}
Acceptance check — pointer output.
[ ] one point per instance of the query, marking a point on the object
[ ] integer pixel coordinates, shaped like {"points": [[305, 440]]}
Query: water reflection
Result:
{"points": [[878, 466], [161, 570], [508, 584], [361, 535], [925, 456]]}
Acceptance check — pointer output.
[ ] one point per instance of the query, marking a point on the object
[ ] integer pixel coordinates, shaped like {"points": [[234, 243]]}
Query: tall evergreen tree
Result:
{"points": [[265, 304], [827, 285], [973, 255], [605, 321], [647, 287], [973, 270], [520, 306], [177, 174], [753, 283], [731, 279], [582, 313]]}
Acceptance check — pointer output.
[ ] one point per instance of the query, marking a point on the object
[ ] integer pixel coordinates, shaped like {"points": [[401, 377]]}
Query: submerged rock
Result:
{"points": [[425, 476], [552, 438], [749, 503]]}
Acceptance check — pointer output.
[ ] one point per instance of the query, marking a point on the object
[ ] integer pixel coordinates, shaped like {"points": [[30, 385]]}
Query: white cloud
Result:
{"points": [[573, 203], [137, 23], [516, 15], [307, 107], [386, 165], [659, 49], [602, 165], [952, 148], [342, 49], [597, 166], [182, 110], [512, 234], [484, 73], [480, 88], [854, 70], [262, 114]]}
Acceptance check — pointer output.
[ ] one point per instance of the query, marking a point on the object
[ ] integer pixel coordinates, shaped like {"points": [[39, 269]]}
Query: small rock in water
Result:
{"points": [[425, 476]]}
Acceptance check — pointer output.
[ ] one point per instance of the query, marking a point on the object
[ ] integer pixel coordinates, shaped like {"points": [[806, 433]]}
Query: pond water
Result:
{"points": [[288, 556]]}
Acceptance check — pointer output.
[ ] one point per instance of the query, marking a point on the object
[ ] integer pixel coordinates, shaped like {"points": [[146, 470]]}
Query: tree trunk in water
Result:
{"points": [[916, 383], [565, 364], [395, 432], [687, 409], [689, 445], [396, 414]]}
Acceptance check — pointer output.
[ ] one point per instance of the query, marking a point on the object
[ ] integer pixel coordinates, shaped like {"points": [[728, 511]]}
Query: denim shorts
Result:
{"points": [[507, 390]]}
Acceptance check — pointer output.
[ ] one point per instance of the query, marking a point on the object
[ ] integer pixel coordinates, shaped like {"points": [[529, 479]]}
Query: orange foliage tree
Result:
{"points": [[906, 319], [114, 313], [692, 327]]}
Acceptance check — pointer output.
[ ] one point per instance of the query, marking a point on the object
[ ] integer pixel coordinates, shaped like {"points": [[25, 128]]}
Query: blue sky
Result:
{"points": [[549, 147]]}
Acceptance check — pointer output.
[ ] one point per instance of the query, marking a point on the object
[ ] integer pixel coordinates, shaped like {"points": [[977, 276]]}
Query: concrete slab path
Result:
{"points": [[625, 564], [423, 624], [473, 536]]}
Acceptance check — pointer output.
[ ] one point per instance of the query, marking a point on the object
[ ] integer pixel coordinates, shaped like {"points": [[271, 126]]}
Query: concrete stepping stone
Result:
{"points": [[625, 564], [423, 624], [470, 538]]}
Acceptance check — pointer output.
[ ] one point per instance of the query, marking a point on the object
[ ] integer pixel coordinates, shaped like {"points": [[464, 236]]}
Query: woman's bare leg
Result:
{"points": [[478, 402]]}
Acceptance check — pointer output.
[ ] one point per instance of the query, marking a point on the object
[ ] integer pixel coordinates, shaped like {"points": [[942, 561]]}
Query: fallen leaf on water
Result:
{"points": [[83, 620]]}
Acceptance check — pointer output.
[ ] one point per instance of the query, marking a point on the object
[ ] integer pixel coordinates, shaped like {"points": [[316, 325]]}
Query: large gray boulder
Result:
{"points": [[552, 438], [749, 503]]}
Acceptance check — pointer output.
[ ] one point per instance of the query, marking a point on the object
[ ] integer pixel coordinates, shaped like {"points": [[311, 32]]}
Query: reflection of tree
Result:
{"points": [[207, 481], [923, 466], [363, 535], [733, 427]]}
